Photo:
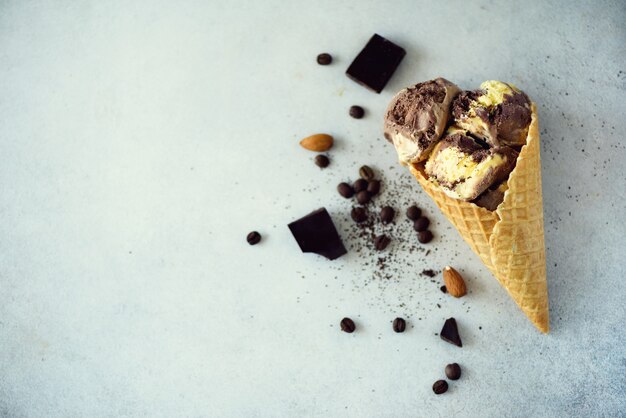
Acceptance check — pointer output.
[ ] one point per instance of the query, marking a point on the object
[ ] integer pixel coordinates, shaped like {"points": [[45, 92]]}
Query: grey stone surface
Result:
{"points": [[142, 141]]}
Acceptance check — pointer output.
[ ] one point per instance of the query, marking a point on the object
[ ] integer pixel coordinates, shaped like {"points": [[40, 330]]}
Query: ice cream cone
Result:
{"points": [[509, 241]]}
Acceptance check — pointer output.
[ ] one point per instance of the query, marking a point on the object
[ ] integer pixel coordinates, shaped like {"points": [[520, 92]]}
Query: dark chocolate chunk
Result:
{"points": [[366, 173], [322, 161], [347, 325], [345, 190], [413, 212], [453, 371], [324, 59], [357, 112], [481, 142], [358, 215], [253, 238], [381, 242], [376, 63], [440, 386], [363, 197], [373, 187], [425, 237], [386, 214], [421, 224], [450, 332], [316, 233], [360, 185], [444, 289], [399, 325]]}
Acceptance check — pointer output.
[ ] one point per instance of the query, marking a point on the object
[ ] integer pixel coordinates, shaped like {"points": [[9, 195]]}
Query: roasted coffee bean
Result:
{"points": [[366, 173], [357, 112], [363, 197], [381, 242], [386, 214], [360, 185], [453, 371], [253, 238], [413, 212], [347, 325], [421, 224], [440, 386], [345, 190], [399, 325], [359, 215], [324, 59], [373, 187], [425, 237], [322, 161]]}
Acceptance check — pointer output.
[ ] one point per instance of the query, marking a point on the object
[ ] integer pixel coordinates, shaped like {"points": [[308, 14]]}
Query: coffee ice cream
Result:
{"points": [[464, 169], [491, 198], [498, 112], [417, 117]]}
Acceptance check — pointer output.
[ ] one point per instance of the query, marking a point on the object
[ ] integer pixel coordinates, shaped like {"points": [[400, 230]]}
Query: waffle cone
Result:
{"points": [[509, 240]]}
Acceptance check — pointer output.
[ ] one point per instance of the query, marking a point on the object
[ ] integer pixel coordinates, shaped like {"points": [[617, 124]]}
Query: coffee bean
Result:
{"points": [[347, 325], [425, 237], [322, 161], [386, 214], [359, 215], [413, 212], [421, 224], [324, 59], [399, 325], [440, 386], [360, 185], [381, 242], [253, 238], [366, 173], [345, 190], [453, 371], [357, 112], [363, 197], [373, 187]]}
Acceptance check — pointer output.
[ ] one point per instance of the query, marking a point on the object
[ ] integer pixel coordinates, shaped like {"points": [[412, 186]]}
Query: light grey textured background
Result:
{"points": [[141, 141]]}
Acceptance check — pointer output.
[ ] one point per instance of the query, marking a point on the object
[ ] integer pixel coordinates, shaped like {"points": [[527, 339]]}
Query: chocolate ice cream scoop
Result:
{"points": [[417, 116], [464, 168], [498, 112]]}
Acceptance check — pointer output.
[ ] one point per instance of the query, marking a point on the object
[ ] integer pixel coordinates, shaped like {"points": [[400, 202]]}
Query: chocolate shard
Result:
{"points": [[450, 333], [316, 233], [376, 63]]}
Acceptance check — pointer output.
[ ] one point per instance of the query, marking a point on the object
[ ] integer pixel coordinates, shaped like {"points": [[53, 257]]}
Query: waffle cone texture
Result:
{"points": [[509, 240]]}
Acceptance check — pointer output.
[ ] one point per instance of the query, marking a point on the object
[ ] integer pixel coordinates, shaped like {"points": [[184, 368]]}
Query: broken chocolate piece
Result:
{"points": [[316, 233], [450, 333], [376, 63]]}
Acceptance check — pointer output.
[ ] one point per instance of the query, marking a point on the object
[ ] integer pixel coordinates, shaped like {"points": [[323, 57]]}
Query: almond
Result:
{"points": [[317, 142], [454, 282]]}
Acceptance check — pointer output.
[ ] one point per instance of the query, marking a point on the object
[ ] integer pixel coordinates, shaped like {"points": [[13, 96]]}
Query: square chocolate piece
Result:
{"points": [[316, 233], [376, 63]]}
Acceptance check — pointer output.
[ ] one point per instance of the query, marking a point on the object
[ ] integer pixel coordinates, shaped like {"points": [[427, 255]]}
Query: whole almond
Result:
{"points": [[317, 142], [454, 282]]}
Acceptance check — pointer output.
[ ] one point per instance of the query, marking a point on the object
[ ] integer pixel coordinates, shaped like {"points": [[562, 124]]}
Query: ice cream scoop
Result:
{"points": [[498, 112], [464, 168], [417, 116]]}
